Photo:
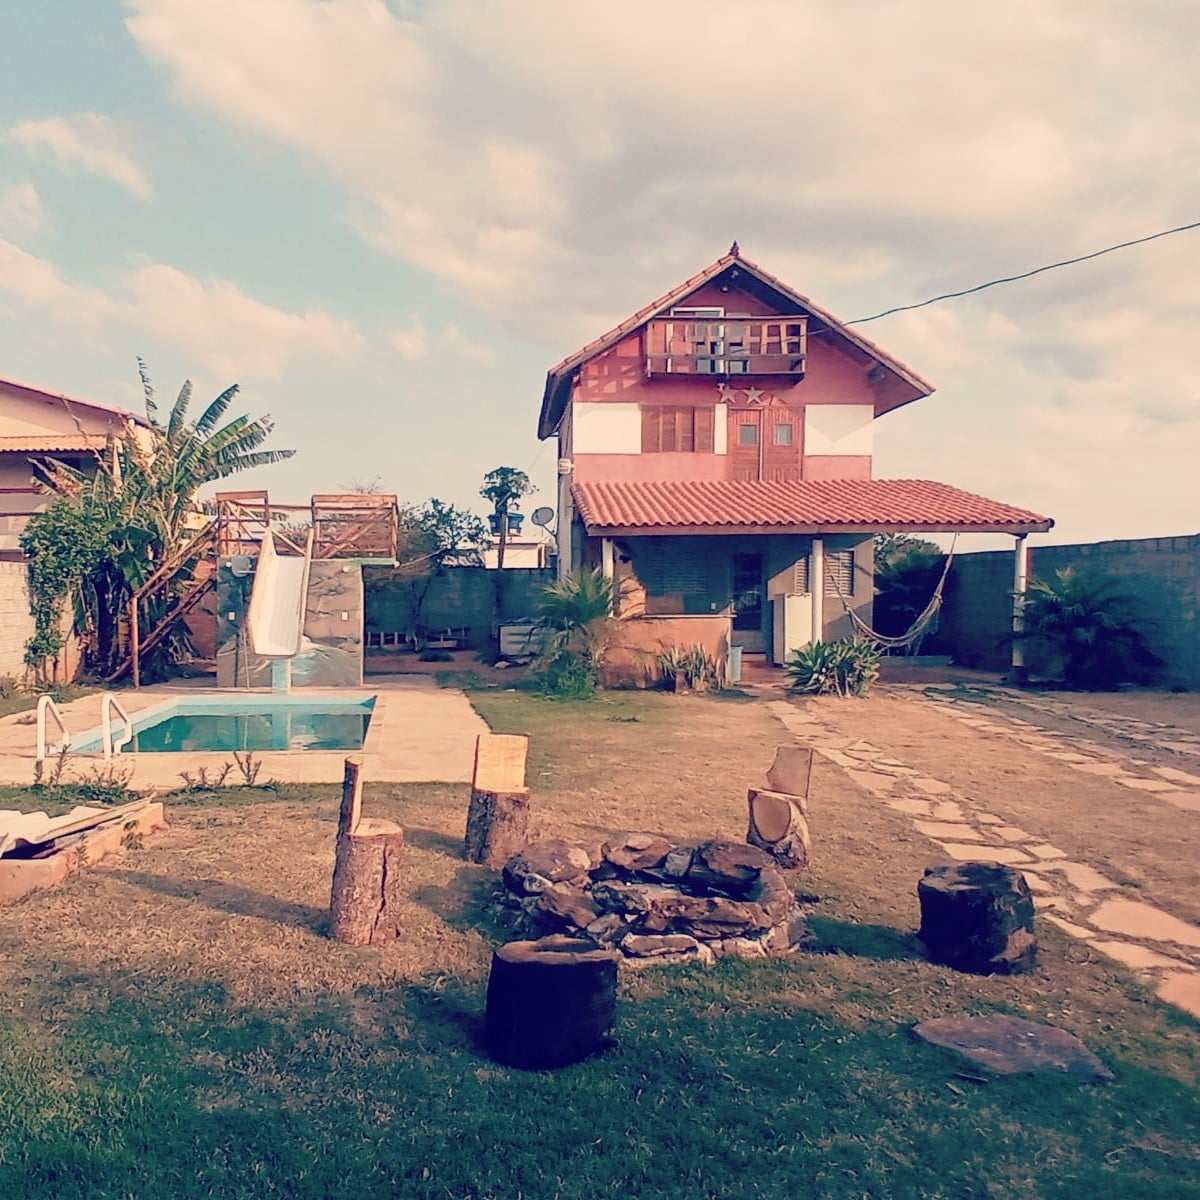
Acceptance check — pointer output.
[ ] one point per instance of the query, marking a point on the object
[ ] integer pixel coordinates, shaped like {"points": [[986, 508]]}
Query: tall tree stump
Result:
{"points": [[498, 815], [977, 917], [778, 826], [365, 900], [791, 772], [550, 1002]]}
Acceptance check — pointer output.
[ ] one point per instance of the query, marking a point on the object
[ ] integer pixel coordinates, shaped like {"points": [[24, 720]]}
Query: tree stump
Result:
{"points": [[550, 1002], [365, 900], [791, 772], [977, 917], [498, 815], [778, 826]]}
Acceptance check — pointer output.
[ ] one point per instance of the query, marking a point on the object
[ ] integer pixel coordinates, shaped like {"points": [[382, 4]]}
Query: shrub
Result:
{"points": [[1091, 629], [696, 666], [577, 612], [845, 668]]}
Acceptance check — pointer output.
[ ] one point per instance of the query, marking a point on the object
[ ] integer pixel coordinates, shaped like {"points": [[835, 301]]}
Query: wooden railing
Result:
{"points": [[727, 346], [351, 525]]}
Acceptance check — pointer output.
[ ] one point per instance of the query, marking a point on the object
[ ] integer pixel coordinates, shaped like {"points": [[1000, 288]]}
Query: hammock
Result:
{"points": [[917, 630]]}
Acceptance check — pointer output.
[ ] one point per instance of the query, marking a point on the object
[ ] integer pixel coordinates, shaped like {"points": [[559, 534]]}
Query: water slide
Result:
{"points": [[275, 618]]}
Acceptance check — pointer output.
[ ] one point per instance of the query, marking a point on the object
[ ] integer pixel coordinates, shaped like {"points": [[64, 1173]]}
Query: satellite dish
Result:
{"points": [[241, 565], [542, 516]]}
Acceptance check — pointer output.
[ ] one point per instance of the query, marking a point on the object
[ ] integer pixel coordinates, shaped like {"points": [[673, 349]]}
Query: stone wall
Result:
{"points": [[331, 648], [1164, 574]]}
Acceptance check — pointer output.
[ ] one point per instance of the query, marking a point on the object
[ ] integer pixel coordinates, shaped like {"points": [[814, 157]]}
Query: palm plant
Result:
{"points": [[1091, 629], [578, 612]]}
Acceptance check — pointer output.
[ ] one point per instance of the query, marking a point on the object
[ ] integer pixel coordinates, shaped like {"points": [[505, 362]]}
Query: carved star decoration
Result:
{"points": [[725, 392], [753, 395]]}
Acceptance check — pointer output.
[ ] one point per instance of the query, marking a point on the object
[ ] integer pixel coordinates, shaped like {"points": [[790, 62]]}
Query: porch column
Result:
{"points": [[816, 585], [606, 557], [566, 517], [1020, 582]]}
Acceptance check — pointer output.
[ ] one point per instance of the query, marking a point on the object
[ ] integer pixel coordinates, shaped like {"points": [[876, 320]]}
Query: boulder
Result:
{"points": [[732, 868], [977, 917], [633, 852], [541, 863]]}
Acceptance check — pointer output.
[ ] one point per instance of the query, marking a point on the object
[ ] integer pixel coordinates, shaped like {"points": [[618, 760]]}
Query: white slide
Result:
{"points": [[275, 619]]}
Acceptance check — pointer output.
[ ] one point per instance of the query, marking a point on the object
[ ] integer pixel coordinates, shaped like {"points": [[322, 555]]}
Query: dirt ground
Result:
{"points": [[237, 893]]}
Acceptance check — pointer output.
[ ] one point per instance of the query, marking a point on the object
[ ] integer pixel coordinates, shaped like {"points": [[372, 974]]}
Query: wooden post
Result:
{"points": [[364, 902], [498, 815], [550, 1002]]}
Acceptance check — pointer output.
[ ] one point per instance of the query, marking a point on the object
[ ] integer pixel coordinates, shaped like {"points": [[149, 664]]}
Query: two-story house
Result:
{"points": [[715, 455]]}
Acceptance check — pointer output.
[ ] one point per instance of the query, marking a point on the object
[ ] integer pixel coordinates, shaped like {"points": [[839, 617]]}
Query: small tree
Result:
{"points": [[432, 539], [504, 487]]}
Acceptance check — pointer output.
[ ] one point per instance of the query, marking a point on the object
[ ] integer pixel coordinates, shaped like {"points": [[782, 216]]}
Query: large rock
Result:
{"points": [[633, 852], [977, 917], [1009, 1045], [732, 868], [562, 906], [542, 863]]}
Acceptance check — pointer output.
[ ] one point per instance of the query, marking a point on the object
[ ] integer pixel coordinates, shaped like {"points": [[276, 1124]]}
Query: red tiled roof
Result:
{"points": [[835, 506], [53, 443]]}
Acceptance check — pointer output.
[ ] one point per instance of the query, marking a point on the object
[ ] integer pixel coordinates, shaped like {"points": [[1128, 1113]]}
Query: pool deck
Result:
{"points": [[419, 733]]}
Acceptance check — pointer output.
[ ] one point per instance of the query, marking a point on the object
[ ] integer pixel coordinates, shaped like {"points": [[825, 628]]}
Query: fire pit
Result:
{"points": [[656, 900]]}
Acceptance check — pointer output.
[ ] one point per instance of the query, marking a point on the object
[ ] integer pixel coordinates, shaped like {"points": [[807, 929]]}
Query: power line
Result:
{"points": [[1066, 262]]}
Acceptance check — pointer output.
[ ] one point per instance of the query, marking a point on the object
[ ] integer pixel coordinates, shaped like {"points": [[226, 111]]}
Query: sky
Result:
{"points": [[386, 220]]}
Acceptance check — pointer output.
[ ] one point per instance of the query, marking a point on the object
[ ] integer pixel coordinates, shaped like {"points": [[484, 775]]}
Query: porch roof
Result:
{"points": [[826, 506]]}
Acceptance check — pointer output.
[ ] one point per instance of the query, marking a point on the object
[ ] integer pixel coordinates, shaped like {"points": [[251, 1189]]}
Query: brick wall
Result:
{"points": [[1163, 573], [16, 622]]}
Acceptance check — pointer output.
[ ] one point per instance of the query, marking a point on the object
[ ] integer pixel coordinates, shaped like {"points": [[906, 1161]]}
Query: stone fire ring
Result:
{"points": [[656, 900]]}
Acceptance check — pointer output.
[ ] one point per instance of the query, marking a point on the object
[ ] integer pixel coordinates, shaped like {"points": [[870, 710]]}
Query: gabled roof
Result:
{"points": [[805, 507], [560, 376], [59, 398]]}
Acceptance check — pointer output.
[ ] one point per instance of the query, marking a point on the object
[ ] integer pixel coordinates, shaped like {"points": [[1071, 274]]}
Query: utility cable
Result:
{"points": [[1066, 262]]}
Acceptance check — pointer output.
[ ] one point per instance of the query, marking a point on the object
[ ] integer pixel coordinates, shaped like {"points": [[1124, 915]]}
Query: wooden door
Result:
{"points": [[745, 443]]}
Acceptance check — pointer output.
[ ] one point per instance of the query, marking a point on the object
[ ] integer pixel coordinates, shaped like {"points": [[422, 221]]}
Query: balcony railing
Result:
{"points": [[729, 346]]}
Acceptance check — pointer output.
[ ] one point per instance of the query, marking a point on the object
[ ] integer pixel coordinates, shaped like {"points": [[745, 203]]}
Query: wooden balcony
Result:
{"points": [[726, 347]]}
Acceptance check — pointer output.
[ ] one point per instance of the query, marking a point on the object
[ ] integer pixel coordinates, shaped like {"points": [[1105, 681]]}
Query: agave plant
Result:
{"points": [[846, 668]]}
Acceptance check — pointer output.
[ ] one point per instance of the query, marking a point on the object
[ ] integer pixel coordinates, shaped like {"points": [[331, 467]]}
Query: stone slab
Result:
{"points": [[1177, 776], [913, 808], [1078, 875], [1069, 927], [1046, 850], [1134, 919], [945, 831], [1182, 989], [1139, 958], [931, 787], [1011, 1046], [1137, 783], [1011, 833], [1005, 855]]}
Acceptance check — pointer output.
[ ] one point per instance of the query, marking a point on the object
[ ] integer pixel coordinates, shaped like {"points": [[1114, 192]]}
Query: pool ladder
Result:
{"points": [[108, 705]]}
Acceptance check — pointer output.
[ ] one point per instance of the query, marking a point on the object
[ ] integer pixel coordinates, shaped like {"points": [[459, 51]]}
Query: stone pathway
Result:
{"points": [[1075, 897]]}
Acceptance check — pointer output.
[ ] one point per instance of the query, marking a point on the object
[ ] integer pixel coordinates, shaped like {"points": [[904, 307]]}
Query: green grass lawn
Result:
{"points": [[127, 1075]]}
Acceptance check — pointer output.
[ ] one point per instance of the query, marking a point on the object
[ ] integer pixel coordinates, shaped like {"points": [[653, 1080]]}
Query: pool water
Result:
{"points": [[283, 729], [225, 723]]}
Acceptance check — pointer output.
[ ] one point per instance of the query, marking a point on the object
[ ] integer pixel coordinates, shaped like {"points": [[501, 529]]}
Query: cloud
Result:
{"points": [[224, 330], [417, 342], [20, 207], [36, 284], [91, 141]]}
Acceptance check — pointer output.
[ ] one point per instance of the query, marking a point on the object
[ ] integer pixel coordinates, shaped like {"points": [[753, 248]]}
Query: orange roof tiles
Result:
{"points": [[834, 506], [52, 443]]}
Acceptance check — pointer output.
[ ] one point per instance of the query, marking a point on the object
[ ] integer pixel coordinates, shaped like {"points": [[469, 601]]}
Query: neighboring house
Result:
{"points": [[715, 455], [520, 552], [37, 424]]}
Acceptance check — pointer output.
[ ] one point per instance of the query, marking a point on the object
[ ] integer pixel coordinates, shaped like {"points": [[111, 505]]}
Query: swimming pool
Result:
{"points": [[226, 723]]}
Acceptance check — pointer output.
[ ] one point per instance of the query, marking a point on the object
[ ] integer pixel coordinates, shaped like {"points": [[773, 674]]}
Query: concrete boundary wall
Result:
{"points": [[1163, 573], [16, 621]]}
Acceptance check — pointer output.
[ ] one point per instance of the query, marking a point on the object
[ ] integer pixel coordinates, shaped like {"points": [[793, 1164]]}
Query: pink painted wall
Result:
{"points": [[618, 376]]}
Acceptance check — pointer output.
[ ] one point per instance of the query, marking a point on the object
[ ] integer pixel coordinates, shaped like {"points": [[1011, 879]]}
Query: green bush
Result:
{"points": [[845, 668], [577, 613], [1091, 629]]}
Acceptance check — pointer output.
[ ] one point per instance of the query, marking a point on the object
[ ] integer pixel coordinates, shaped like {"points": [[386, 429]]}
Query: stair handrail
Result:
{"points": [[108, 705], [46, 706]]}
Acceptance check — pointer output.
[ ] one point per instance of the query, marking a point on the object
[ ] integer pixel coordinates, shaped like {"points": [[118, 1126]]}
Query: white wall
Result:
{"points": [[606, 428], [839, 429]]}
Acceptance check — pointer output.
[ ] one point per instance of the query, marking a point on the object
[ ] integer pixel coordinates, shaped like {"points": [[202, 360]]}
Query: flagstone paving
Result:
{"points": [[1074, 896]]}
